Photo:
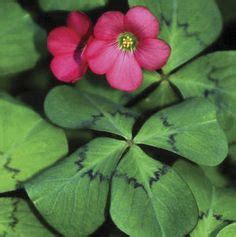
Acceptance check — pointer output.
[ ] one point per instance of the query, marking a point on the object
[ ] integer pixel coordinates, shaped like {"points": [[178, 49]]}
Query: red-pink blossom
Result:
{"points": [[67, 45], [123, 44]]}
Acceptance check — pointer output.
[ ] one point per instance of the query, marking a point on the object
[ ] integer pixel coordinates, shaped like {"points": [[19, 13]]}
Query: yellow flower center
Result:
{"points": [[127, 41]]}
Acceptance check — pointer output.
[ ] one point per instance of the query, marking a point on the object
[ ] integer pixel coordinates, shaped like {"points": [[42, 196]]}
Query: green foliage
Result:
{"points": [[217, 206], [20, 39], [191, 122], [137, 179], [18, 220], [212, 77], [95, 84], [150, 194], [188, 30], [73, 108], [69, 5], [162, 96], [214, 174], [77, 188], [124, 172], [81, 182], [228, 231], [28, 144]]}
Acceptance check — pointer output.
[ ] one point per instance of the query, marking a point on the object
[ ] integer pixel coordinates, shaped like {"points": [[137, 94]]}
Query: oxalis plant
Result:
{"points": [[115, 120]]}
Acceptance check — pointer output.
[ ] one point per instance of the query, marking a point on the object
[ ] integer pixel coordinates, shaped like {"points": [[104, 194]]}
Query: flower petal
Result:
{"points": [[141, 22], [126, 74], [66, 68], [152, 54], [79, 22], [101, 55], [62, 40], [109, 25]]}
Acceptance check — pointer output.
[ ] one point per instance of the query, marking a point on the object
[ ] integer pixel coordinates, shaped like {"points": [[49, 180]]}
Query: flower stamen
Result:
{"points": [[127, 41]]}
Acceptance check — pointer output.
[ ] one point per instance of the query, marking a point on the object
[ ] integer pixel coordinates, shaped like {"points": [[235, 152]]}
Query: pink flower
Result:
{"points": [[123, 44], [67, 45]]}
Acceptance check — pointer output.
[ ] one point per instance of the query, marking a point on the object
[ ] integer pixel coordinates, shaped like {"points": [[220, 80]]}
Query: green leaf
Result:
{"points": [[162, 96], [96, 84], [228, 231], [212, 77], [150, 195], [28, 144], [189, 26], [69, 5], [17, 220], [72, 195], [215, 175], [189, 129], [217, 206], [72, 108], [197, 181], [221, 212], [20, 39], [149, 78]]}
